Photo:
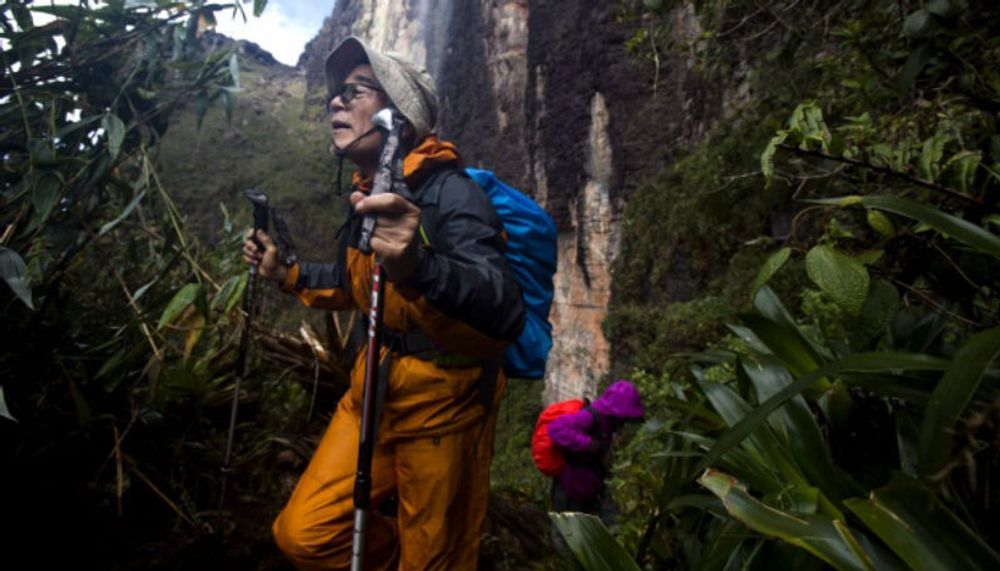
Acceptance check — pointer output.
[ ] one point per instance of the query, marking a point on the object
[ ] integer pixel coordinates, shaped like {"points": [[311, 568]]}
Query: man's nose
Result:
{"points": [[336, 104]]}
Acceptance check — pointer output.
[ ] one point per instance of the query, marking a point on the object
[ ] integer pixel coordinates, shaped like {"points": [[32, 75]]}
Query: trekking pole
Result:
{"points": [[389, 123], [260, 212]]}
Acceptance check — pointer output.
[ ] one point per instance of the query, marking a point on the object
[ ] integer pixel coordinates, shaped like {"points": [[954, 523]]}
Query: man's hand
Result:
{"points": [[395, 236], [268, 266]]}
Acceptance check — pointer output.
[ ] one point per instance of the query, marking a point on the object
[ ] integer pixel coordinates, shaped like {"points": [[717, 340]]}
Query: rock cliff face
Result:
{"points": [[543, 93]]}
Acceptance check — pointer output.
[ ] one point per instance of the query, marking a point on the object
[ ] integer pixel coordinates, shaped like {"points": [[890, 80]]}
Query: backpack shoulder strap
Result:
{"points": [[428, 199]]}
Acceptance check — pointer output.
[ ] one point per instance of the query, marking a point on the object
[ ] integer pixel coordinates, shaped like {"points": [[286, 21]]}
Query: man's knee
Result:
{"points": [[306, 541]]}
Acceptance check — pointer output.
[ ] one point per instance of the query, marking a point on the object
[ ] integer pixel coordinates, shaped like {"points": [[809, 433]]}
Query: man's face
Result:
{"points": [[351, 113]]}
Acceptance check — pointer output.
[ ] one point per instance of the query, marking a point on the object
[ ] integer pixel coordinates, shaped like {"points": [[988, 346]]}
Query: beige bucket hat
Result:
{"points": [[410, 88]]}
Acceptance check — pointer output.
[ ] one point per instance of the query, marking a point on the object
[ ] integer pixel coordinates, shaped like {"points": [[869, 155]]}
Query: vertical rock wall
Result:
{"points": [[543, 93], [580, 354]]}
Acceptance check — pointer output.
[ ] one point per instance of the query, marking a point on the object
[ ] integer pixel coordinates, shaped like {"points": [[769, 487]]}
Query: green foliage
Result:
{"points": [[513, 471], [947, 224], [827, 538], [15, 274], [952, 396], [120, 327], [917, 526], [841, 277], [769, 442], [850, 424], [274, 144], [770, 267], [591, 544]]}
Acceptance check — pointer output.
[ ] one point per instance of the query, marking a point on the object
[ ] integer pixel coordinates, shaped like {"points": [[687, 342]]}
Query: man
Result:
{"points": [[451, 306]]}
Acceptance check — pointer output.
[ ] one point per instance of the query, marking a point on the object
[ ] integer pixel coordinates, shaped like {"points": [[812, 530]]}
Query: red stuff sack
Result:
{"points": [[548, 458]]}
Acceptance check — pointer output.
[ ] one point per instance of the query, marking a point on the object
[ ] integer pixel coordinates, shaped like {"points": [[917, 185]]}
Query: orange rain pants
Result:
{"points": [[442, 482]]}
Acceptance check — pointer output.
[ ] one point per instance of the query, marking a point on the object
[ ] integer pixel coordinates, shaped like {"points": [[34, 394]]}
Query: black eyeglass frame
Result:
{"points": [[349, 90]]}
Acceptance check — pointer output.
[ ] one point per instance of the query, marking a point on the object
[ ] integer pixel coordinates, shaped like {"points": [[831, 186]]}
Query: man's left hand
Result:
{"points": [[395, 236]]}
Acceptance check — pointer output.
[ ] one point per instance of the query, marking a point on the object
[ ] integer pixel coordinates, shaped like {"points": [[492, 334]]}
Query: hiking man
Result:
{"points": [[450, 308], [585, 437]]}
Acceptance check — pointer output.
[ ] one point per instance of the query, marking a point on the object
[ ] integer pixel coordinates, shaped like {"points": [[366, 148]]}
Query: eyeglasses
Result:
{"points": [[349, 91]]}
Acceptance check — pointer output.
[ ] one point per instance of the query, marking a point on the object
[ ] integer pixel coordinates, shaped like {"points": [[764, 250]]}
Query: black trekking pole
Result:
{"points": [[260, 217], [387, 179]]}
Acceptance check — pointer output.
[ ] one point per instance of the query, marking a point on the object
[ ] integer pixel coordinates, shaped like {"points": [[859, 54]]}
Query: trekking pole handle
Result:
{"points": [[389, 123], [261, 210]]}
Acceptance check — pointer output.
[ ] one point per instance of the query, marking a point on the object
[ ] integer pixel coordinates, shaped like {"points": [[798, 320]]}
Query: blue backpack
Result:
{"points": [[531, 257]]}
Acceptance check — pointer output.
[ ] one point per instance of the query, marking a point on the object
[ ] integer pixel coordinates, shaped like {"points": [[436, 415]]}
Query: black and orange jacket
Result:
{"points": [[461, 296]]}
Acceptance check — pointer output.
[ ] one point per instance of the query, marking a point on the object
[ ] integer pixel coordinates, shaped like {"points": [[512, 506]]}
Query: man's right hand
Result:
{"points": [[268, 266]]}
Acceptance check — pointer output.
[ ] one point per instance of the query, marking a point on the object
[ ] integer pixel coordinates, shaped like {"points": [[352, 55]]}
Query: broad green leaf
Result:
{"points": [[732, 408], [771, 308], [930, 156], [879, 362], [45, 195], [227, 221], [951, 397], [72, 127], [724, 549], [778, 330], [234, 69], [767, 157], [914, 65], [957, 228], [819, 535], [591, 543], [201, 104], [916, 23], [258, 7], [921, 530], [809, 128], [183, 299], [229, 100], [229, 294], [941, 8], [195, 326], [770, 267], [143, 289], [796, 424], [239, 293], [750, 338], [15, 273], [116, 133], [963, 169], [4, 411], [767, 457], [840, 277], [879, 309], [786, 343], [118, 360], [881, 223], [124, 213]]}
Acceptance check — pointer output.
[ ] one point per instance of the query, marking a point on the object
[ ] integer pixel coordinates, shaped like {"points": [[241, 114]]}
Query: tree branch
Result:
{"points": [[887, 171]]}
